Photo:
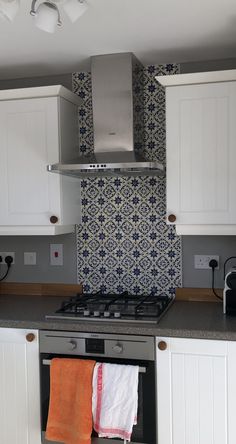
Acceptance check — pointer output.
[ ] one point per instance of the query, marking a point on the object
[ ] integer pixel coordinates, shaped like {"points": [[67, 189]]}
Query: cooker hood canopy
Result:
{"points": [[117, 96]]}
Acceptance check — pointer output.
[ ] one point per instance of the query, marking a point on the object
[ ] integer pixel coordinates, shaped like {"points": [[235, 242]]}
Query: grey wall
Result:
{"points": [[208, 65], [42, 272], [223, 246], [63, 79]]}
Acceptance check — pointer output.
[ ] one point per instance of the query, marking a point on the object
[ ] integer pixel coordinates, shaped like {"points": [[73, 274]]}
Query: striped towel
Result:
{"points": [[115, 400]]}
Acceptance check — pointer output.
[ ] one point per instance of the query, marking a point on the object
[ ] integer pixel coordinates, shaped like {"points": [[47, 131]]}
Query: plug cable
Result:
{"points": [[213, 264], [8, 261]]}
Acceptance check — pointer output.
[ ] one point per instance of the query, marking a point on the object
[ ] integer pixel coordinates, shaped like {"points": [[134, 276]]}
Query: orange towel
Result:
{"points": [[70, 407]]}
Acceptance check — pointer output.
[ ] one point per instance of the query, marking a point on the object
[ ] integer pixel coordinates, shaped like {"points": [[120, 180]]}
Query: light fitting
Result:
{"points": [[74, 9], [9, 9], [46, 16], [46, 13]]}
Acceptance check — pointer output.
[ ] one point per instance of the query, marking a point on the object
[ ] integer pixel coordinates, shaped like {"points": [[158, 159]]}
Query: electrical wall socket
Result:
{"points": [[3, 254], [202, 261]]}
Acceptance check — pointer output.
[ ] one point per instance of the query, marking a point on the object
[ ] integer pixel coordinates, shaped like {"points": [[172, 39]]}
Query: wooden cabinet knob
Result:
{"points": [[171, 218], [53, 219], [162, 345], [30, 337]]}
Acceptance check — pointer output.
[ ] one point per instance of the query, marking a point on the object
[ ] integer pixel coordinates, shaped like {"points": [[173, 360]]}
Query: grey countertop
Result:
{"points": [[183, 319]]}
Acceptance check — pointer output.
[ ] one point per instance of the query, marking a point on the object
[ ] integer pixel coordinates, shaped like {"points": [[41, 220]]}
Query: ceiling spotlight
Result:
{"points": [[9, 9], [46, 16], [75, 8]]}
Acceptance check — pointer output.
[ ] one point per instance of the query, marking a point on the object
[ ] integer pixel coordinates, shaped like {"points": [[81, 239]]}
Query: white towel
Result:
{"points": [[115, 400]]}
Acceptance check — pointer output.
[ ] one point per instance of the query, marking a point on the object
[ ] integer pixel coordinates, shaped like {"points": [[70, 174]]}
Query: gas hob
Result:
{"points": [[114, 308]]}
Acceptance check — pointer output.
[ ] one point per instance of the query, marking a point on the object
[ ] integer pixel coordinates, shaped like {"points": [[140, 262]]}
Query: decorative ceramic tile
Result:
{"points": [[124, 242]]}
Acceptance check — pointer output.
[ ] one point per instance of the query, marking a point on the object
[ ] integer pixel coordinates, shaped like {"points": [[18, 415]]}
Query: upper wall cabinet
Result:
{"points": [[37, 127], [201, 154]]}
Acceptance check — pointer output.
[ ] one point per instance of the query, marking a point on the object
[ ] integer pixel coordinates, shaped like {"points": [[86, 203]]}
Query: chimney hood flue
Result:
{"points": [[117, 96]]}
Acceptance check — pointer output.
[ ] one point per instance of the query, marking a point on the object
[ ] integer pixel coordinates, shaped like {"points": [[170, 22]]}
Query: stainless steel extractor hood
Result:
{"points": [[117, 95]]}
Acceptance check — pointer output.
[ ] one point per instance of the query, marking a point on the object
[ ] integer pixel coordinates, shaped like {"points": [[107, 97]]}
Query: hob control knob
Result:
{"points": [[117, 348], [96, 313], [106, 314], [117, 314], [73, 344]]}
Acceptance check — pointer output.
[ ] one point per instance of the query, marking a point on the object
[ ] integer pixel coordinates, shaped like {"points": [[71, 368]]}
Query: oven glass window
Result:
{"points": [[145, 430]]}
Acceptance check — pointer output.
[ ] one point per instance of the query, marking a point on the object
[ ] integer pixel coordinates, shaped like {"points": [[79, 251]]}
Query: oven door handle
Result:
{"points": [[48, 362]]}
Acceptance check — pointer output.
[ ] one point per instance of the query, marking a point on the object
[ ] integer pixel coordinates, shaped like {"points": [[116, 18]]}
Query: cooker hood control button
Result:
{"points": [[86, 312], [73, 344], [106, 314], [117, 348], [96, 313]]}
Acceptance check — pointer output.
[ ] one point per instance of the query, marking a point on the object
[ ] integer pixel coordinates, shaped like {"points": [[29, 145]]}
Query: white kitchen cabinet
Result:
{"points": [[37, 127], [19, 387], [201, 155], [196, 391]]}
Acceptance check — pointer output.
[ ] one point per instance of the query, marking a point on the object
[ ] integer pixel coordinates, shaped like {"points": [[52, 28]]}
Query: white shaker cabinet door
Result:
{"points": [[201, 154], [29, 140], [19, 387], [196, 391]]}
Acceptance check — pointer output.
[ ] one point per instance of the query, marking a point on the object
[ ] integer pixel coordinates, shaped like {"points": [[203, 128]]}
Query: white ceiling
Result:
{"points": [[156, 31]]}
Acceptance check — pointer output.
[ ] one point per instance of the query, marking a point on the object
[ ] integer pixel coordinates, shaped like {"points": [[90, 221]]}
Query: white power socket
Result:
{"points": [[202, 261], [5, 254]]}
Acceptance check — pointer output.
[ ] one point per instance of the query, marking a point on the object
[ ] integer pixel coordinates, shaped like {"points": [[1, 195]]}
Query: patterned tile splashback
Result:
{"points": [[124, 242]]}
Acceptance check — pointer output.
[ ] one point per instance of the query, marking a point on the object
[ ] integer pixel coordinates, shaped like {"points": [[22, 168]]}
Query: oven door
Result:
{"points": [[145, 429]]}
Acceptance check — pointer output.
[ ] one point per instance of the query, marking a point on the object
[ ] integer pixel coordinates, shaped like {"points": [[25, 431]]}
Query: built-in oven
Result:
{"points": [[112, 348]]}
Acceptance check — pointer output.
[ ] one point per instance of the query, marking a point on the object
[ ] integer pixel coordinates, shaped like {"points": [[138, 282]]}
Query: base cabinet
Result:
{"points": [[196, 391], [19, 387]]}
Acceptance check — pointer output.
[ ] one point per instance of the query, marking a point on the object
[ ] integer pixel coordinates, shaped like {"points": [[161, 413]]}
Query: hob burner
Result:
{"points": [[114, 307]]}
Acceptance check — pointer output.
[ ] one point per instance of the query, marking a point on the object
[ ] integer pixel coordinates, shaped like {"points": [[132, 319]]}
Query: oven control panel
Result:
{"points": [[92, 344]]}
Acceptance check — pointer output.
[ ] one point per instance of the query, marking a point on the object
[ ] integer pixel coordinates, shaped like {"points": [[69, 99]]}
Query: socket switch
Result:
{"points": [[29, 258], [4, 254], [202, 261], [56, 254]]}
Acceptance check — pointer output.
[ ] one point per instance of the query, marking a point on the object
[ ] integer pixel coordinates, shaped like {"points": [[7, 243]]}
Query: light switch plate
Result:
{"points": [[29, 258]]}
